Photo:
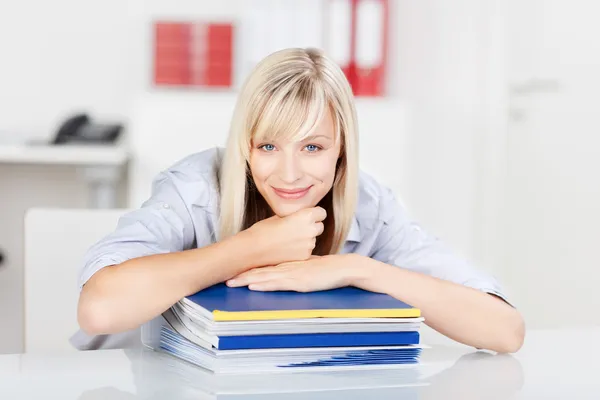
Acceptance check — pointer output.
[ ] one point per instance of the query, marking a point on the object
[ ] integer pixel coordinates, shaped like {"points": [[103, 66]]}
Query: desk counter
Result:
{"points": [[553, 364]]}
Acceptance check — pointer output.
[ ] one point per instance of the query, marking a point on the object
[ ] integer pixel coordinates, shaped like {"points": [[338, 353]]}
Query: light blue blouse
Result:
{"points": [[182, 214]]}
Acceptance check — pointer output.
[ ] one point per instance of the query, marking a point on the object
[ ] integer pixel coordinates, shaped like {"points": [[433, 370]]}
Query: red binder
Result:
{"points": [[193, 54], [219, 55], [370, 49], [171, 53], [340, 35]]}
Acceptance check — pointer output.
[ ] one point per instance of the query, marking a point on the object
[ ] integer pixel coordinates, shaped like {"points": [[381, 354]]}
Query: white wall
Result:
{"points": [[439, 67], [552, 140], [60, 57]]}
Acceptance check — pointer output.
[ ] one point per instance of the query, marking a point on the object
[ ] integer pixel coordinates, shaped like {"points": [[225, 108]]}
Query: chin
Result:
{"points": [[283, 210]]}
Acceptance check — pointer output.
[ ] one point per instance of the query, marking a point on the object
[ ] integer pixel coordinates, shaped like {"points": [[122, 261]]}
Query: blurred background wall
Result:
{"points": [[486, 129]]}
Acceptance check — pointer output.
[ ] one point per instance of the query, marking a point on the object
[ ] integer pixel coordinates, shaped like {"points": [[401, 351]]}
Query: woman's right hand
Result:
{"points": [[289, 238]]}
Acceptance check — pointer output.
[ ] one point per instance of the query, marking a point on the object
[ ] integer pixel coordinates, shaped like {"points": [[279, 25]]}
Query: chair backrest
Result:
{"points": [[55, 243]]}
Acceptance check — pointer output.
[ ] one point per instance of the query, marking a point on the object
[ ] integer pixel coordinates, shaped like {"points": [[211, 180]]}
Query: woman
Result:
{"points": [[284, 207]]}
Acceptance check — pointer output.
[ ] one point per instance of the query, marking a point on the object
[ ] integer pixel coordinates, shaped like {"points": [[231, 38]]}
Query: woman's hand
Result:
{"points": [[291, 238], [314, 274]]}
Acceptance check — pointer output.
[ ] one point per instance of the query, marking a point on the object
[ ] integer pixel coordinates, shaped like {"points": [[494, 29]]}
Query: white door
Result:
{"points": [[553, 155]]}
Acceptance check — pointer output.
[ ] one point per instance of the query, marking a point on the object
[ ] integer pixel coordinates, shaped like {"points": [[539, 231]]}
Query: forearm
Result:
{"points": [[124, 296], [464, 314]]}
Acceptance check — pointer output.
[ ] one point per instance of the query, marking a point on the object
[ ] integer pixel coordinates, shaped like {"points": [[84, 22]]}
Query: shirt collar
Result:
{"points": [[354, 233]]}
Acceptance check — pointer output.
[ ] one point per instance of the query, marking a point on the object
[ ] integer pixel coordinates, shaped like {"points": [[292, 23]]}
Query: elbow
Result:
{"points": [[95, 310], [514, 337], [93, 317]]}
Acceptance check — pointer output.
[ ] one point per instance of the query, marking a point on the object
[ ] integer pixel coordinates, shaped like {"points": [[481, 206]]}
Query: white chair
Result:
{"points": [[55, 243]]}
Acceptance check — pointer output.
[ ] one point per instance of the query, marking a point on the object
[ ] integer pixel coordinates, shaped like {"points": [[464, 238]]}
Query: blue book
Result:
{"points": [[222, 303], [348, 339]]}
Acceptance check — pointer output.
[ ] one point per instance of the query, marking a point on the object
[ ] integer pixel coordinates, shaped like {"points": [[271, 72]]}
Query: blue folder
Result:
{"points": [[318, 340], [223, 303]]}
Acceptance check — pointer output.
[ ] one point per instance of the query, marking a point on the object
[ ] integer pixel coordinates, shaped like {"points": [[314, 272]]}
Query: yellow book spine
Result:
{"points": [[303, 314]]}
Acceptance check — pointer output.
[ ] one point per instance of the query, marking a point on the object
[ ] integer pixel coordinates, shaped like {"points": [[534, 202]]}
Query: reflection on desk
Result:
{"points": [[552, 365]]}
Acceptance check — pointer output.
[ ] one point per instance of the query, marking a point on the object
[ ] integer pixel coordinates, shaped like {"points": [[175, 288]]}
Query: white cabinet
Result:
{"points": [[49, 177]]}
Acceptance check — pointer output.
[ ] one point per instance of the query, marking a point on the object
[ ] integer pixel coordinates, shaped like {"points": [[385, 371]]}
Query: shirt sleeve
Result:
{"points": [[161, 225], [403, 243]]}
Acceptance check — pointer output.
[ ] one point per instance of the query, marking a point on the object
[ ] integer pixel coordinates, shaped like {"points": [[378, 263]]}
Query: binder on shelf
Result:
{"points": [[171, 53], [371, 47], [340, 35], [303, 14], [267, 26], [254, 37], [219, 55], [193, 54]]}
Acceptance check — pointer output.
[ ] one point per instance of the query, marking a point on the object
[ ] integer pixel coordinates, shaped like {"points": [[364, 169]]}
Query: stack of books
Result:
{"points": [[232, 330]]}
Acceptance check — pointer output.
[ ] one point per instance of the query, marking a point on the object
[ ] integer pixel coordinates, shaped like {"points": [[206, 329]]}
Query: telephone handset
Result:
{"points": [[79, 128]]}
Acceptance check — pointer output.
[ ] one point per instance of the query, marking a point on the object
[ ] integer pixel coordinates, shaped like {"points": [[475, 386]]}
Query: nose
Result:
{"points": [[289, 169]]}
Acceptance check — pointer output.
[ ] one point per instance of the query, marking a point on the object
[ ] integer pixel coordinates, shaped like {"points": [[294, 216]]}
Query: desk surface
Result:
{"points": [[561, 364]]}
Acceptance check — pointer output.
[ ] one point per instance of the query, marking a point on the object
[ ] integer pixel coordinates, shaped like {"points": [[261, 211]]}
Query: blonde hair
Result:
{"points": [[285, 96]]}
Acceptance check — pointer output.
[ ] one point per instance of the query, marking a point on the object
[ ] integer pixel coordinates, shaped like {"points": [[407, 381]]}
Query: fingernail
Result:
{"points": [[231, 282]]}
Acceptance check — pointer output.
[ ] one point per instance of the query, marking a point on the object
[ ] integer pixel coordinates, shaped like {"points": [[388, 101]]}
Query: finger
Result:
{"points": [[318, 214], [258, 270], [273, 285], [245, 281], [254, 275], [319, 228]]}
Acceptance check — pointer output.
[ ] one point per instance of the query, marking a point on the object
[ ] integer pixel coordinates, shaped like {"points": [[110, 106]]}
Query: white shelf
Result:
{"points": [[76, 155]]}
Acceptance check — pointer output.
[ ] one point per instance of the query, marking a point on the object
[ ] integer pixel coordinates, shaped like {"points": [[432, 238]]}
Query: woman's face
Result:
{"points": [[296, 175]]}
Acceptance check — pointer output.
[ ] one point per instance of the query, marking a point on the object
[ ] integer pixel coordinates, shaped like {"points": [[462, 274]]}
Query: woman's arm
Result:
{"points": [[124, 296], [464, 314], [457, 299], [148, 272], [467, 315]]}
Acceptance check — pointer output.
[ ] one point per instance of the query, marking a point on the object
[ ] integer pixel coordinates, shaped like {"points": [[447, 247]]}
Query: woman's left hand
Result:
{"points": [[314, 274]]}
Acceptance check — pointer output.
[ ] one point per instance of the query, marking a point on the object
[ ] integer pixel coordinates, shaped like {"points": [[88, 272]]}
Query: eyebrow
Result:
{"points": [[313, 137]]}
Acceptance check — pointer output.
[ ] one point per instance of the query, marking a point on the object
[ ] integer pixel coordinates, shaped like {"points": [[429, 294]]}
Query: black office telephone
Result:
{"points": [[80, 129]]}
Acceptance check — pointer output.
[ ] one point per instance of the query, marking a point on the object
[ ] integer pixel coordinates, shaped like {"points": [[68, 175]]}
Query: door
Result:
{"points": [[553, 157]]}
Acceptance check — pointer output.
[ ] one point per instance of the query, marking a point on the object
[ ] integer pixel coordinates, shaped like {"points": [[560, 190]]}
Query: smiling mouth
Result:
{"points": [[291, 193]]}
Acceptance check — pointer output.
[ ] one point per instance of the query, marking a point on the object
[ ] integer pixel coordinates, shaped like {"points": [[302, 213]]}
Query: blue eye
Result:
{"points": [[267, 147], [312, 148]]}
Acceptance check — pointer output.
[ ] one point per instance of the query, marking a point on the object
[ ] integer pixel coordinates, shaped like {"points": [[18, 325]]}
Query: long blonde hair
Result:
{"points": [[285, 96]]}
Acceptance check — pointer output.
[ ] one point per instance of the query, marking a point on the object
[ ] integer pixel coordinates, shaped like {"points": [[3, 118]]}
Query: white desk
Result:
{"points": [[101, 166], [551, 365]]}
